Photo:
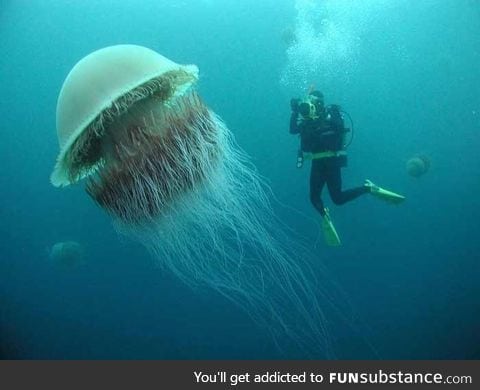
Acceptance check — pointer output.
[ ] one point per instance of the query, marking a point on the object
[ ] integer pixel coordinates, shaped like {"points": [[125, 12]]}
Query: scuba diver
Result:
{"points": [[323, 140]]}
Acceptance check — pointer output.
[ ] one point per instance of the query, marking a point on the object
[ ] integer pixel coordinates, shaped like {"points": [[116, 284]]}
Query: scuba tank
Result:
{"points": [[336, 115]]}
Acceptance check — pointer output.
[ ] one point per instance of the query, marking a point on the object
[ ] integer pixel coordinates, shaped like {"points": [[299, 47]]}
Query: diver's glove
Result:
{"points": [[294, 104]]}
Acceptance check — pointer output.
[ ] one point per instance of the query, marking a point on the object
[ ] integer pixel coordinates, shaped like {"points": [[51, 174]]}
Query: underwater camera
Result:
{"points": [[305, 107]]}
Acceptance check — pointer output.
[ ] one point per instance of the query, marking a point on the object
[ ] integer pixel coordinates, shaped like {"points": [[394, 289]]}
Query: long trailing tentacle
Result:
{"points": [[176, 182]]}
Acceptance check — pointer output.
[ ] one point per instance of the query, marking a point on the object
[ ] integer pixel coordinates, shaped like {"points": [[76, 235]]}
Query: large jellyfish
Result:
{"points": [[165, 167]]}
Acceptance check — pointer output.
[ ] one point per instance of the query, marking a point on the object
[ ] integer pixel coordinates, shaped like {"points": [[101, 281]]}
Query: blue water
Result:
{"points": [[407, 276]]}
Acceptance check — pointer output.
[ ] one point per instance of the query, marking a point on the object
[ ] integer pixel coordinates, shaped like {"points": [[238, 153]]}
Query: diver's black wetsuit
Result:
{"points": [[323, 134]]}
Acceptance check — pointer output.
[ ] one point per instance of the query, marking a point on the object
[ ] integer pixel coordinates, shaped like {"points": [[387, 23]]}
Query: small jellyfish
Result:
{"points": [[67, 254], [418, 165], [289, 36]]}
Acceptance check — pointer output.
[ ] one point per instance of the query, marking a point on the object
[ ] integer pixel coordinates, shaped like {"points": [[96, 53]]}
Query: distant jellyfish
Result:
{"points": [[418, 165], [67, 254], [289, 36], [166, 168]]}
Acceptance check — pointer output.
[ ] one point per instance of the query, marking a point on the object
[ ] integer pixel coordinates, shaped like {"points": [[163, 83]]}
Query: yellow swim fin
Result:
{"points": [[384, 194], [329, 233]]}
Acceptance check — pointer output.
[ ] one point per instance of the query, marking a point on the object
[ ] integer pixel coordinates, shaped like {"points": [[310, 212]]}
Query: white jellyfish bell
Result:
{"points": [[165, 167]]}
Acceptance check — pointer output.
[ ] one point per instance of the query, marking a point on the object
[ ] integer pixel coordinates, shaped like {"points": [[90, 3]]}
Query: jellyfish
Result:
{"points": [[132, 126], [418, 165], [67, 254], [289, 36]]}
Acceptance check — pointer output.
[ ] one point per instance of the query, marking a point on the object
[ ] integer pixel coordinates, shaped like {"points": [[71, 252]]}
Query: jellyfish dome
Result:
{"points": [[418, 165], [67, 254], [110, 122], [167, 170]]}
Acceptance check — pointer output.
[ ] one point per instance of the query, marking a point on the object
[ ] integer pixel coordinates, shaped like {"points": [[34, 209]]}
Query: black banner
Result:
{"points": [[319, 374]]}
